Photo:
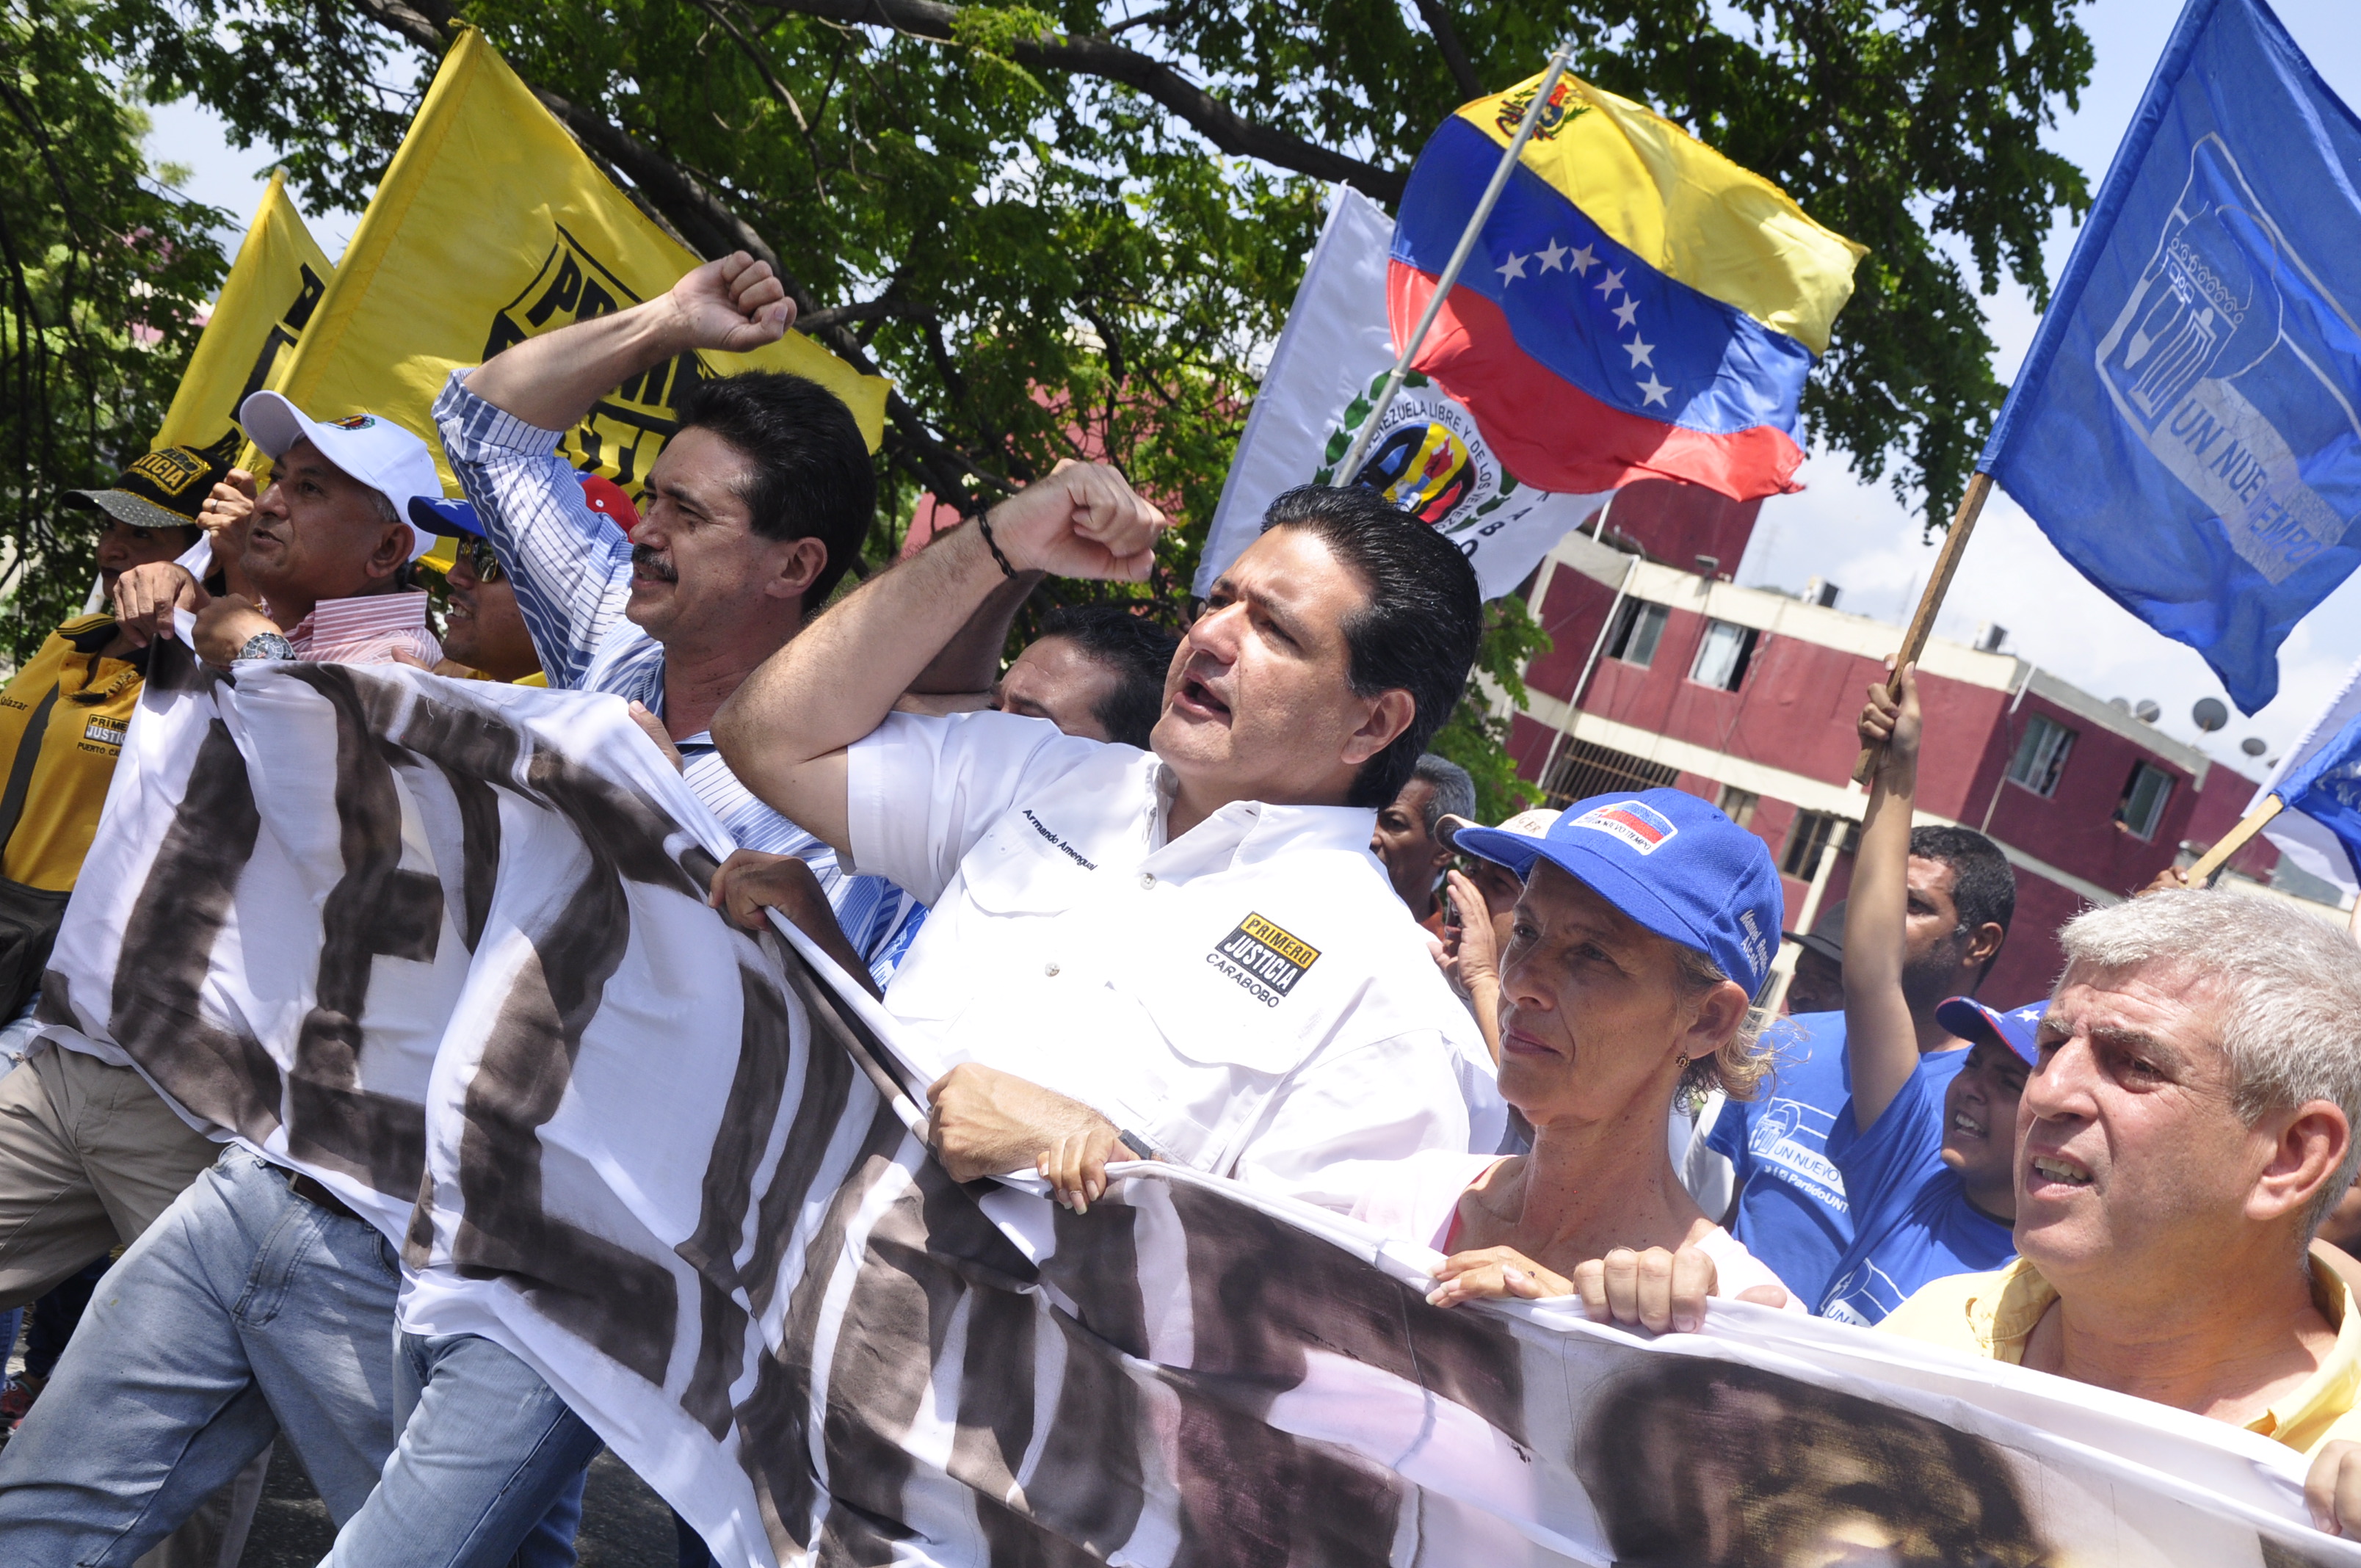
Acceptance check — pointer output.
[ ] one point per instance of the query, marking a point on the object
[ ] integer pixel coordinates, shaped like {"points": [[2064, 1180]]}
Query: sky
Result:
{"points": [[1856, 535]]}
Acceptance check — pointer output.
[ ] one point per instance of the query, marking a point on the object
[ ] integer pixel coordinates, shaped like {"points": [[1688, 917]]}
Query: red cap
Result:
{"points": [[605, 495]]}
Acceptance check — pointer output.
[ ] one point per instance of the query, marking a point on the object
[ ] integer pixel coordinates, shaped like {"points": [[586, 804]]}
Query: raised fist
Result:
{"points": [[1084, 520], [735, 305]]}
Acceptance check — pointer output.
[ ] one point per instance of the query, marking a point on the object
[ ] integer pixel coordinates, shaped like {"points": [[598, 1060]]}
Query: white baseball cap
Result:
{"points": [[377, 452]]}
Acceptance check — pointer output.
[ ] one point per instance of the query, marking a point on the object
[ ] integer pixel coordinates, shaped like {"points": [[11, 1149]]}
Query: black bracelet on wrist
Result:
{"points": [[983, 526]]}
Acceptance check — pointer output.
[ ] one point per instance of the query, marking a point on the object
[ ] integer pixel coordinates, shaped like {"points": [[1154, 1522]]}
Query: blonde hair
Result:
{"points": [[1737, 1065]]}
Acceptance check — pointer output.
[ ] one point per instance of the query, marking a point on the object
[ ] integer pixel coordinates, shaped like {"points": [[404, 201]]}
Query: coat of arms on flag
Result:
{"points": [[1428, 455]]}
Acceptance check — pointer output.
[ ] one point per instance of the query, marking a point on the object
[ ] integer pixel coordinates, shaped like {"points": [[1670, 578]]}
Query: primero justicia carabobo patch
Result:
{"points": [[1263, 958]]}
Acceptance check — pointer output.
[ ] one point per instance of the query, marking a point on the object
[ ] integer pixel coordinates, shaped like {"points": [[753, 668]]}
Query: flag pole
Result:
{"points": [[1350, 468], [1922, 624], [2235, 840]]}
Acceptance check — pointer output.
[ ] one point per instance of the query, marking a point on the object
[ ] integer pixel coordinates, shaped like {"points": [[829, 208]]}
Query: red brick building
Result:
{"points": [[1747, 697]]}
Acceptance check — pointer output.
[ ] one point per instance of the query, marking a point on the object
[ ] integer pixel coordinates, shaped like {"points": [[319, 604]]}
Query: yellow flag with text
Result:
{"points": [[269, 299], [491, 227]]}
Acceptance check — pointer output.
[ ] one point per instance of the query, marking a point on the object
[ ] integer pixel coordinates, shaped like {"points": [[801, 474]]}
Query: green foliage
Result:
{"points": [[1033, 240], [102, 273], [991, 31], [1473, 737]]}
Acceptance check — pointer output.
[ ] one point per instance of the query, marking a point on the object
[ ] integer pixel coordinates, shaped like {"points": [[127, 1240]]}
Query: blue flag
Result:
{"points": [[2187, 429], [2327, 788], [2319, 780]]}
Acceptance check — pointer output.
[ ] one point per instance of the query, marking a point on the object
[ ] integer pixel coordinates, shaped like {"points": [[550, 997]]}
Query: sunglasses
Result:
{"points": [[482, 561]]}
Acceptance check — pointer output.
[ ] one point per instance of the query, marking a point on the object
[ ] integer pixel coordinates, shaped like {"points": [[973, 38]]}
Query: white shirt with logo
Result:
{"points": [[1252, 998]]}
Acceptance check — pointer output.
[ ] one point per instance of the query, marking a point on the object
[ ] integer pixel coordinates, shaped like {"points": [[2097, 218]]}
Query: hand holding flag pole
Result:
{"points": [[1350, 468], [1922, 623], [2230, 843]]}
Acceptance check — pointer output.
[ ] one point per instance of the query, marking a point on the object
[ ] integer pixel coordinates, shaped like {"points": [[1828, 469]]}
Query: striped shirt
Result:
{"points": [[572, 569], [366, 631]]}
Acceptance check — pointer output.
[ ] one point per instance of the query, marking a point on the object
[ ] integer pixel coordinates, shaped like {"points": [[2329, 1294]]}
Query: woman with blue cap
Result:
{"points": [[1646, 927]]}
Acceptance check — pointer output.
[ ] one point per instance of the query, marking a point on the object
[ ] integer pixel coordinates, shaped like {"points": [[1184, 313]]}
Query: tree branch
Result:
{"points": [[1212, 118], [711, 229], [1437, 16], [867, 310]]}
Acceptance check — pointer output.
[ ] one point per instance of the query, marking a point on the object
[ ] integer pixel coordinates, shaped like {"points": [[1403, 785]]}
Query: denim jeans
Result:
{"points": [[489, 1469], [242, 1312]]}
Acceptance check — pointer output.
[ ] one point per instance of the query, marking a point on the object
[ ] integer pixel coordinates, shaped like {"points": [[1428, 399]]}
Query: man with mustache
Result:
{"points": [[752, 512], [174, 1380], [1187, 951]]}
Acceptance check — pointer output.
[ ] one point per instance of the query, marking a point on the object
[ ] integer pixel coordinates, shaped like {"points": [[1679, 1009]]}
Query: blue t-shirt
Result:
{"points": [[1912, 1220], [1791, 1200]]}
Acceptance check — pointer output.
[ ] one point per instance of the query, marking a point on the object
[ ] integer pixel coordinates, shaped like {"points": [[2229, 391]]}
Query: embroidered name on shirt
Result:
{"points": [[1264, 959], [1079, 859]]}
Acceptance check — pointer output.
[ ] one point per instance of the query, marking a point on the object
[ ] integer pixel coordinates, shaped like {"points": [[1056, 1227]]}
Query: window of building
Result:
{"points": [[1723, 654], [2041, 755], [1639, 626], [1739, 805], [2144, 793], [1809, 835], [1582, 770]]}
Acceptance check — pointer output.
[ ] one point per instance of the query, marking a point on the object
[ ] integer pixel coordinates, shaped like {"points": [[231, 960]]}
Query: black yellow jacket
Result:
{"points": [[73, 706]]}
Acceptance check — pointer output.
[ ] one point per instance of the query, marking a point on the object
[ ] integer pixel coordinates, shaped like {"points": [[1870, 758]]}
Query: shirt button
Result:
{"points": [[1050, 968], [1148, 878]]}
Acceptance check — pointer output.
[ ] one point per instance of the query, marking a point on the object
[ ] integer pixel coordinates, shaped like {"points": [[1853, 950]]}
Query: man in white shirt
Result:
{"points": [[257, 1301], [331, 549], [1189, 950]]}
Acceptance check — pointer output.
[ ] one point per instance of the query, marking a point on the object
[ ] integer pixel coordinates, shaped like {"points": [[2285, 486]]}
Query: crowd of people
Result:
{"points": [[1200, 896]]}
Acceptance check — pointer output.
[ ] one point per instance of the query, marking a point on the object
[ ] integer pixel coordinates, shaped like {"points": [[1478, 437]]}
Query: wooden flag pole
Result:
{"points": [[2230, 843], [1922, 624], [1350, 468]]}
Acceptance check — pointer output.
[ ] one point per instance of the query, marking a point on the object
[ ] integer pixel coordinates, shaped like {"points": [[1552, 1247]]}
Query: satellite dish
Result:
{"points": [[2210, 713], [2148, 711], [2120, 704], [2253, 745]]}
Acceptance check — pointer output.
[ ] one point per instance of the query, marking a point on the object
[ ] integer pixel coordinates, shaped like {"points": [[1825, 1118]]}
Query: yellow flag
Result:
{"points": [[270, 297], [491, 227]]}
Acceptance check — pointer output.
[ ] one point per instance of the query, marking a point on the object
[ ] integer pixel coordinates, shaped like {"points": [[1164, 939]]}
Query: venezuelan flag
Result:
{"points": [[1636, 306]]}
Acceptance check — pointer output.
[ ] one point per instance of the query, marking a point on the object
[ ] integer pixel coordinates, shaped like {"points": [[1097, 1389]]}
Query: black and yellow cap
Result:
{"points": [[166, 488]]}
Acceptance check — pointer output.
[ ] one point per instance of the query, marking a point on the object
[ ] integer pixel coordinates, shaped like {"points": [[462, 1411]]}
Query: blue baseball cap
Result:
{"points": [[2019, 1030], [1670, 862], [437, 515]]}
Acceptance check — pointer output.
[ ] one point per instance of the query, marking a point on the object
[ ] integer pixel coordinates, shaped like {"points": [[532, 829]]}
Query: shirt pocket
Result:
{"points": [[996, 921], [1222, 992], [1017, 870]]}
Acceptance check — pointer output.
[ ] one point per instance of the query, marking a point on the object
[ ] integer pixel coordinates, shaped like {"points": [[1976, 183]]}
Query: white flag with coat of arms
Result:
{"points": [[1427, 457]]}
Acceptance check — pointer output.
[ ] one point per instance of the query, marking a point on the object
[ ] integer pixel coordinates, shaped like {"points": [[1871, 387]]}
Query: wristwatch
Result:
{"points": [[266, 645]]}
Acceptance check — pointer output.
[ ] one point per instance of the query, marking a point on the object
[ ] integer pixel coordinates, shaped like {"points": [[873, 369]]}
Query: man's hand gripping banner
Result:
{"points": [[444, 947]]}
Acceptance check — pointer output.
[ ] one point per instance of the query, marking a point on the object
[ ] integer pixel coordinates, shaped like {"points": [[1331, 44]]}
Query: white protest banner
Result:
{"points": [[445, 941], [1427, 456]]}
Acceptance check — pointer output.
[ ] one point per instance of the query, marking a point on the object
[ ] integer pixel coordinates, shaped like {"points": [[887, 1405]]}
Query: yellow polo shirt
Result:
{"points": [[71, 708], [1994, 1314]]}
